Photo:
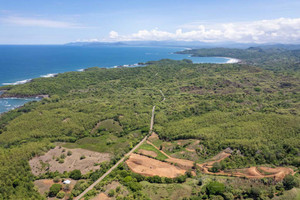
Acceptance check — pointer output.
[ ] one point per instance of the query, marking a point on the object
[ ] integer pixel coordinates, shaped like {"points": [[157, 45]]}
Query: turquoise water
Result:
{"points": [[20, 63], [7, 104]]}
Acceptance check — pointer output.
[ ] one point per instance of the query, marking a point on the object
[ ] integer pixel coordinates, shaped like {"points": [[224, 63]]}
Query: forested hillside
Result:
{"points": [[246, 108], [272, 58]]}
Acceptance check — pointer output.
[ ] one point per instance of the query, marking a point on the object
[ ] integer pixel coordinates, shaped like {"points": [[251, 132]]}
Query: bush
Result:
{"points": [[255, 192], [75, 174], [60, 195], [228, 196], [289, 182], [215, 188], [54, 189], [180, 179], [168, 180], [61, 161], [111, 193], [216, 167], [82, 157], [56, 179], [135, 186], [69, 153]]}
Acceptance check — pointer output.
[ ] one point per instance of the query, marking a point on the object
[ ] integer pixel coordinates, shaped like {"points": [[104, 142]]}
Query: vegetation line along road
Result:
{"points": [[164, 98], [121, 160]]}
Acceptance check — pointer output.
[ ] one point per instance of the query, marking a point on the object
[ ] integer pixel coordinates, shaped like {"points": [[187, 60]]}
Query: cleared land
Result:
{"points": [[51, 160], [101, 196], [151, 167], [142, 165], [43, 185], [147, 153]]}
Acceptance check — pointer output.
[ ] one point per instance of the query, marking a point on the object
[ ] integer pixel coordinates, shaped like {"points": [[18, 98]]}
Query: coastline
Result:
{"points": [[138, 64], [232, 60]]}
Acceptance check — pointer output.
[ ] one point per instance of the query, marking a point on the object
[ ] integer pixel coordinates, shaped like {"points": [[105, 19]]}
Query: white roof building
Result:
{"points": [[67, 181]]}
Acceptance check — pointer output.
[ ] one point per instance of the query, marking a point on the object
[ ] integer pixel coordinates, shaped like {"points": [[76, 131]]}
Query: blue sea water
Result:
{"points": [[20, 63], [7, 104]]}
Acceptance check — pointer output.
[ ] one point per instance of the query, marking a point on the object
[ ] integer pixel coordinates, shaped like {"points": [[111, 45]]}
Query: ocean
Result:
{"points": [[20, 63]]}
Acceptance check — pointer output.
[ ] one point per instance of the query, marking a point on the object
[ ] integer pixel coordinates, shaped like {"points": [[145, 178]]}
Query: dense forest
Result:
{"points": [[245, 107]]}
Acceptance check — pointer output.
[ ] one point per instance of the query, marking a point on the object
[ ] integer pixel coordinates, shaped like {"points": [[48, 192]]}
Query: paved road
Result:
{"points": [[120, 161]]}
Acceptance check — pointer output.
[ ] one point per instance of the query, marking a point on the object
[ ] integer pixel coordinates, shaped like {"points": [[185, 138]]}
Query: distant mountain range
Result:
{"points": [[187, 44]]}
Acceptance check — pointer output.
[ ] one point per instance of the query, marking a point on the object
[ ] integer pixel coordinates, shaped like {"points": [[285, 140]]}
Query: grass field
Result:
{"points": [[149, 147]]}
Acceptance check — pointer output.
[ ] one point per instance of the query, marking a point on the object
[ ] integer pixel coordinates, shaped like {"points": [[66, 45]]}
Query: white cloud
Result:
{"points": [[282, 30], [113, 35], [38, 22]]}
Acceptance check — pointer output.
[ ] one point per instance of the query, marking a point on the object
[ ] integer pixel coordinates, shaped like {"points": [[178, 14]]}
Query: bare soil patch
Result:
{"points": [[43, 185], [153, 137], [151, 167], [48, 162], [182, 163], [147, 153], [66, 120], [218, 158], [101, 196]]}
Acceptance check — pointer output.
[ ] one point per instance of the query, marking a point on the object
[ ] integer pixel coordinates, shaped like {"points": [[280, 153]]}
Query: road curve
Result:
{"points": [[120, 161]]}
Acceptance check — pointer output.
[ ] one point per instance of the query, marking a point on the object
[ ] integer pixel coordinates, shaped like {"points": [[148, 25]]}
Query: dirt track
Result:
{"points": [[277, 173], [151, 167]]}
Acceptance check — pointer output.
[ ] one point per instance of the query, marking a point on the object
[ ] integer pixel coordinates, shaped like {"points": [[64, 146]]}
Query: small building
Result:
{"points": [[67, 182]]}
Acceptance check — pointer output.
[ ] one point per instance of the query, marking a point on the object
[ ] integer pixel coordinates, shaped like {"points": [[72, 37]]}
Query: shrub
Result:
{"points": [[54, 189], [82, 157], [289, 182], [228, 196], [111, 193], [60, 195], [75, 174], [215, 188], [135, 186], [66, 187], [180, 179], [168, 180], [61, 161], [216, 167], [69, 153], [56, 179]]}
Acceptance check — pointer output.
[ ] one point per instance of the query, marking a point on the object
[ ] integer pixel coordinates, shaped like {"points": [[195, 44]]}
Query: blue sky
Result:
{"points": [[62, 21]]}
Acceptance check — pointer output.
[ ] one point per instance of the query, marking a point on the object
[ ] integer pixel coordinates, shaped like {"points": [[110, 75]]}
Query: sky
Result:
{"points": [[64, 21]]}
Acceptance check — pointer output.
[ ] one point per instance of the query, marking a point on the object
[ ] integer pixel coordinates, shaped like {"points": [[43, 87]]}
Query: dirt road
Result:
{"points": [[120, 161]]}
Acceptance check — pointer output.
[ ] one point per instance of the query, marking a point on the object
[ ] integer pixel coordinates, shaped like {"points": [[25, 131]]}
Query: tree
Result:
{"points": [[216, 167], [214, 188], [56, 179], [75, 174], [54, 189], [60, 195], [289, 182]]}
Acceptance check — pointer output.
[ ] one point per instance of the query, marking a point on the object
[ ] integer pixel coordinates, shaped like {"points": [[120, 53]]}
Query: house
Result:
{"points": [[67, 182]]}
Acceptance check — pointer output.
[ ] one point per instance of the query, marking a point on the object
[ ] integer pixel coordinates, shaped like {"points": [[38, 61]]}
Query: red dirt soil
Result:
{"points": [[252, 172], [101, 196], [147, 153], [151, 167]]}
